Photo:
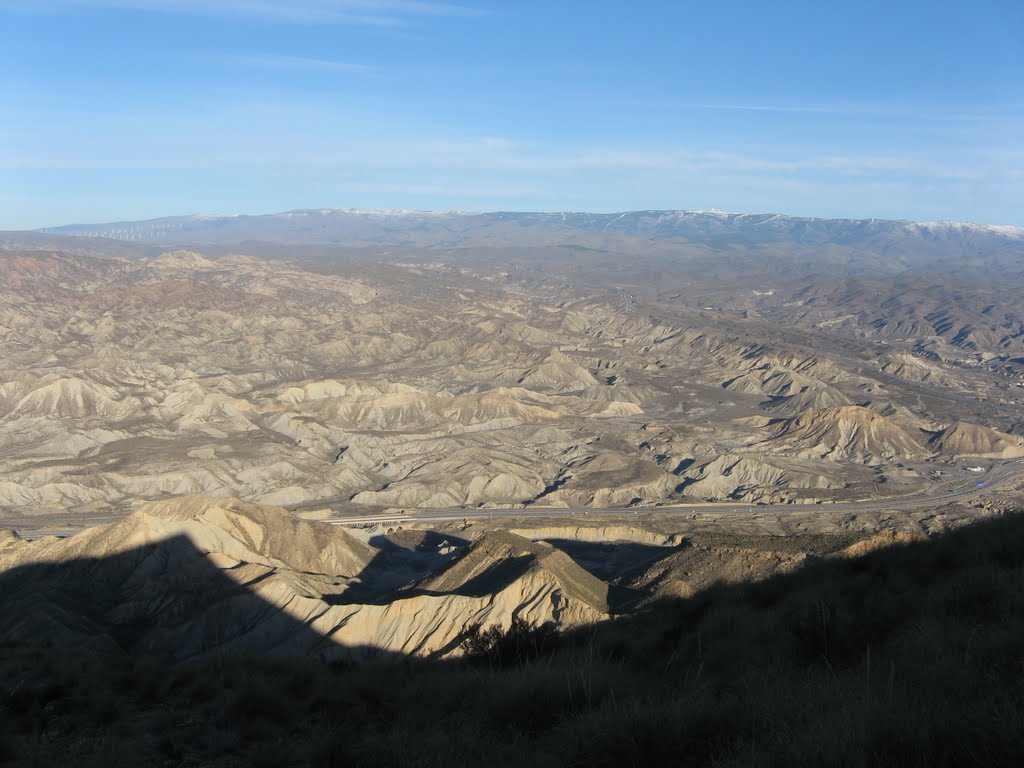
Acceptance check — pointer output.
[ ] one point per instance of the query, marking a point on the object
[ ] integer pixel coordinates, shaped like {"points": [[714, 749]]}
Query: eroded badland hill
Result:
{"points": [[468, 370]]}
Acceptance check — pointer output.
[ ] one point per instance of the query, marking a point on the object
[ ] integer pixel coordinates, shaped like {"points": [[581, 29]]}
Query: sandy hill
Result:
{"points": [[682, 677], [50, 274], [608, 480], [751, 477], [963, 439], [74, 398], [435, 379], [849, 432], [812, 399], [559, 373], [769, 380], [498, 555], [180, 293], [183, 260], [227, 528]]}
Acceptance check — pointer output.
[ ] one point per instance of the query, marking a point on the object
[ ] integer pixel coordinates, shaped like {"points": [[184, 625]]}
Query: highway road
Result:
{"points": [[1004, 474], [965, 488]]}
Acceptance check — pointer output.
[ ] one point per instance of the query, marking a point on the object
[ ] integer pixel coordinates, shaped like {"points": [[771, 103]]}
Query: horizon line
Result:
{"points": [[54, 229]]}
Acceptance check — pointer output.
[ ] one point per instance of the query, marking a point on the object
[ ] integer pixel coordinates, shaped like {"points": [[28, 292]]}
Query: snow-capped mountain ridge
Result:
{"points": [[864, 244]]}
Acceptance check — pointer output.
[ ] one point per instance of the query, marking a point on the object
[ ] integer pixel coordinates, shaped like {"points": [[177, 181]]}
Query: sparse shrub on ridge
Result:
{"points": [[519, 644]]}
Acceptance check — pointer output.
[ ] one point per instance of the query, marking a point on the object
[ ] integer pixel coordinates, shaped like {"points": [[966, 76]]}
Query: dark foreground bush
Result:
{"points": [[519, 644], [912, 656]]}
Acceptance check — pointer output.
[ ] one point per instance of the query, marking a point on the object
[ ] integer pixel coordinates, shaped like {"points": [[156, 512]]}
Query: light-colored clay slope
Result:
{"points": [[599, 533], [609, 480], [776, 382], [813, 399], [751, 477], [559, 373], [848, 432], [250, 533], [963, 439], [181, 260], [497, 550], [73, 398]]}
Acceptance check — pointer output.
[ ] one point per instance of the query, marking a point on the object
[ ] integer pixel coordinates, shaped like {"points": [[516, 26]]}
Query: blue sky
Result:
{"points": [[125, 109]]}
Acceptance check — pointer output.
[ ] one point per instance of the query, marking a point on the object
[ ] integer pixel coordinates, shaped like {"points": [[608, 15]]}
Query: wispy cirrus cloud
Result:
{"points": [[823, 109], [294, 134], [868, 110], [299, 63], [362, 12]]}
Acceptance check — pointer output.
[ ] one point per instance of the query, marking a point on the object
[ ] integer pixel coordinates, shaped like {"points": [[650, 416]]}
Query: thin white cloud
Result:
{"points": [[777, 162], [303, 140], [800, 108], [285, 149], [301, 63], [867, 110], [364, 12]]}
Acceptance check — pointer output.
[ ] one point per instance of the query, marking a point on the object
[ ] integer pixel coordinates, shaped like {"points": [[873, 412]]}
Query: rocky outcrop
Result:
{"points": [[880, 541], [696, 566]]}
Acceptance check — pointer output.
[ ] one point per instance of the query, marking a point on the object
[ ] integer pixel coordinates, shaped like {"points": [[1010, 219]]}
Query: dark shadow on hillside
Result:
{"points": [[615, 563], [830, 611], [404, 558], [496, 577], [432, 546], [909, 655], [168, 599], [162, 599], [613, 558], [375, 590]]}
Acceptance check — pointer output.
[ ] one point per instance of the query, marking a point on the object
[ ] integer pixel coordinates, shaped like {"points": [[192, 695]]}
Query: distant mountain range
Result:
{"points": [[712, 229]]}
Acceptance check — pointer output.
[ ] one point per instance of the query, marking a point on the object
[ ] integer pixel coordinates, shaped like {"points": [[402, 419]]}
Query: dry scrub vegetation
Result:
{"points": [[909, 655]]}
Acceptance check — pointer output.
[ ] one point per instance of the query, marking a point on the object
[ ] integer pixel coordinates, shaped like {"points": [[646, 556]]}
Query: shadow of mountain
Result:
{"points": [[908, 655], [419, 542], [610, 559], [615, 562], [403, 558], [496, 577], [165, 599], [378, 573]]}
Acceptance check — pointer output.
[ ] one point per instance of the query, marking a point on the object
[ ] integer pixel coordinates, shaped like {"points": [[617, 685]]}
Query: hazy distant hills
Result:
{"points": [[628, 232], [81, 245]]}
